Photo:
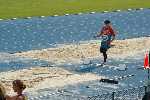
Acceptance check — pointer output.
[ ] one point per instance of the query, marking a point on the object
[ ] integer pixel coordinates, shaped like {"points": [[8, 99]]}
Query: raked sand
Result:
{"points": [[44, 77], [76, 53], [40, 78]]}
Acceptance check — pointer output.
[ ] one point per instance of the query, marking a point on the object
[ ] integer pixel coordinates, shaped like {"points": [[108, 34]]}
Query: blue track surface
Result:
{"points": [[37, 33]]}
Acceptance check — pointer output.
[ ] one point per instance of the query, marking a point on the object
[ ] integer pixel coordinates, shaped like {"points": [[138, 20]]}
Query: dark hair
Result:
{"points": [[2, 97], [2, 93], [19, 84], [146, 96], [107, 22]]}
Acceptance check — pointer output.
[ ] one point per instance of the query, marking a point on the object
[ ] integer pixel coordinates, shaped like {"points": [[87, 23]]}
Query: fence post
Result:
{"points": [[113, 95], [145, 89]]}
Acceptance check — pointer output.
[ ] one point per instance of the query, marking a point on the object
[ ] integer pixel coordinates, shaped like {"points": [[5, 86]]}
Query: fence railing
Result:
{"points": [[127, 94]]}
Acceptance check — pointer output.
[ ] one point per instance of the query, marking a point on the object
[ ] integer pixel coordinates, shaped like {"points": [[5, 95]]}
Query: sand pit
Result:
{"points": [[40, 78], [76, 53]]}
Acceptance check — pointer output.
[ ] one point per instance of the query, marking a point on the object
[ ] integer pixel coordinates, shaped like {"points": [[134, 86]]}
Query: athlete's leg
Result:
{"points": [[105, 56], [103, 50]]}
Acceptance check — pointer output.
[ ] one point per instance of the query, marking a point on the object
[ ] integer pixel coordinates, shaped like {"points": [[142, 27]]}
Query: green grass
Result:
{"points": [[26, 8]]}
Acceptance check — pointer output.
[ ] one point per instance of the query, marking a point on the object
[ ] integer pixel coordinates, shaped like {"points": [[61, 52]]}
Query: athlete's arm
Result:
{"points": [[113, 38], [113, 33], [100, 33]]}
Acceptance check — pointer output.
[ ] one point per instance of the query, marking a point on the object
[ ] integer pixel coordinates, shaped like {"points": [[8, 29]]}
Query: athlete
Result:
{"points": [[108, 35]]}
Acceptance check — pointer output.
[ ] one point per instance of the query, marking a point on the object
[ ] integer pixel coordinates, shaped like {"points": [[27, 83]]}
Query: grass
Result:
{"points": [[29, 8]]}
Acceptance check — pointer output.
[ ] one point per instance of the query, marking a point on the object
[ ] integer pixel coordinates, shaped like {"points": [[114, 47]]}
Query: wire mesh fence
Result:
{"points": [[127, 94]]}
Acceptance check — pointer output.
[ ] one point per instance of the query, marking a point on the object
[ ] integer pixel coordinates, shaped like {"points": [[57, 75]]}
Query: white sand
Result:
{"points": [[76, 53], [40, 78]]}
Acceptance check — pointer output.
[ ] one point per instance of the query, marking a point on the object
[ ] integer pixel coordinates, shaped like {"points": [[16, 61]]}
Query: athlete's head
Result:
{"points": [[106, 22]]}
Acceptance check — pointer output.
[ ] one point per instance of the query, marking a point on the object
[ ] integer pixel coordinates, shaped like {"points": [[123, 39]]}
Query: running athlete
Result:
{"points": [[108, 35]]}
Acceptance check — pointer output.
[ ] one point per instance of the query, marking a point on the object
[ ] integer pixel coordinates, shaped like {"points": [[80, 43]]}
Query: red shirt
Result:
{"points": [[108, 30]]}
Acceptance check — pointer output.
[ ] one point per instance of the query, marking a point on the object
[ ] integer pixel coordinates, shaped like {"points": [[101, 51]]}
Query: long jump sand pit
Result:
{"points": [[77, 52], [40, 78]]}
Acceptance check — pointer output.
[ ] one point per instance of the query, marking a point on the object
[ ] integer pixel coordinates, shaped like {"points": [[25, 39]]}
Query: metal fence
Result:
{"points": [[127, 94]]}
